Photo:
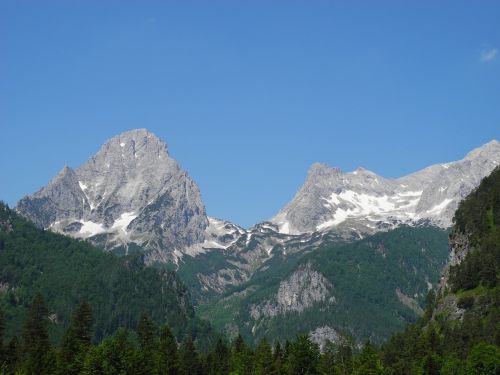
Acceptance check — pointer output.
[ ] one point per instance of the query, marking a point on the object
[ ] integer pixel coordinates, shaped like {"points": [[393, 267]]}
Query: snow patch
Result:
{"points": [[440, 207], [123, 221], [350, 204], [84, 187], [89, 228]]}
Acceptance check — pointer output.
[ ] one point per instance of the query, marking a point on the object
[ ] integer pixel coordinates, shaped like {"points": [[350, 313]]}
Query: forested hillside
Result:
{"points": [[460, 331], [67, 272], [64, 289], [367, 289]]}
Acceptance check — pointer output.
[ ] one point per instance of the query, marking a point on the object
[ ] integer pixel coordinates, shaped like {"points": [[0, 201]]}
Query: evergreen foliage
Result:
{"points": [[67, 271], [435, 344], [478, 217], [365, 276]]}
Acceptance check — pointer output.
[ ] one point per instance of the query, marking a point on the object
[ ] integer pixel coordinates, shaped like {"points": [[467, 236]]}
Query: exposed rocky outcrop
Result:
{"points": [[130, 192], [366, 202], [301, 290], [459, 247], [323, 334]]}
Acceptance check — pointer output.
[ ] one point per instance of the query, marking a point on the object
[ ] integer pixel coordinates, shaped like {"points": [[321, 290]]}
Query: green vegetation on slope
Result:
{"points": [[366, 278], [460, 331], [68, 271]]}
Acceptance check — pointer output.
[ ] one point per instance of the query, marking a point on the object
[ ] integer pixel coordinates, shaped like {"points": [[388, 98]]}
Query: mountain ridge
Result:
{"points": [[131, 195], [130, 191], [331, 198]]}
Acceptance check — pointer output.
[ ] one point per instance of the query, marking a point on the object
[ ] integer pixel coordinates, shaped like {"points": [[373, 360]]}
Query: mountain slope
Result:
{"points": [[369, 288], [365, 202], [130, 192], [333, 204], [460, 331], [68, 271]]}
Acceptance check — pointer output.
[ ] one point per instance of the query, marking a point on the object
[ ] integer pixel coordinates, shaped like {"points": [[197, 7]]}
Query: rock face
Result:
{"points": [[459, 245], [130, 192], [365, 202], [325, 333], [133, 194], [300, 291]]}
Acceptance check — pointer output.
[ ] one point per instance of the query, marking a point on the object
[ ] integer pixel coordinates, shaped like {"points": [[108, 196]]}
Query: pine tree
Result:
{"points": [[278, 356], [36, 338], [168, 358], [12, 352], [220, 360], [241, 357], [431, 364], [76, 340], [303, 357], [484, 359], [263, 358], [189, 363], [327, 360], [146, 330], [344, 359], [368, 362], [2, 328], [116, 355]]}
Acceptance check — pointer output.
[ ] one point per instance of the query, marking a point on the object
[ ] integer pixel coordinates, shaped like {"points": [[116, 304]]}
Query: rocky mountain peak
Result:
{"points": [[322, 170], [130, 191], [488, 150], [364, 202]]}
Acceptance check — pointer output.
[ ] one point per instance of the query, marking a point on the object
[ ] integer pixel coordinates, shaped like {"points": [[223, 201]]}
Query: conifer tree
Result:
{"points": [[368, 362], [35, 347], [168, 358], [263, 358], [278, 355], [146, 333], [189, 363], [327, 360], [303, 357], [344, 359], [241, 357], [2, 328], [220, 360], [77, 339]]}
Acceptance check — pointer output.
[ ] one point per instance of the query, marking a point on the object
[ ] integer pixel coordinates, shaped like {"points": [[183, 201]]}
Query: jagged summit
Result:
{"points": [[489, 149], [130, 191], [362, 201]]}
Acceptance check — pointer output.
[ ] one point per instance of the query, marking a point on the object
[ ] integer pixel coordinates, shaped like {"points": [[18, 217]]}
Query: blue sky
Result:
{"points": [[247, 94]]}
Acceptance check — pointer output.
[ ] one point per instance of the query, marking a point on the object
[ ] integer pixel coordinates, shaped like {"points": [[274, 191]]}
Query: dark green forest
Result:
{"points": [[68, 308], [153, 349], [365, 275], [68, 271]]}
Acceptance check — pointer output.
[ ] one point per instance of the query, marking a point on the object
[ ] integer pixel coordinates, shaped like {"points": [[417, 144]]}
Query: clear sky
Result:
{"points": [[246, 93]]}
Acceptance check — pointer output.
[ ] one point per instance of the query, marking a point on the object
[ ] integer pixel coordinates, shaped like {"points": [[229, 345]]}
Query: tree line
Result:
{"points": [[152, 349]]}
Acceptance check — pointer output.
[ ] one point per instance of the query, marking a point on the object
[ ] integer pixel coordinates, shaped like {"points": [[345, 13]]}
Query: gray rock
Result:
{"points": [[325, 333], [131, 191], [300, 291], [363, 202]]}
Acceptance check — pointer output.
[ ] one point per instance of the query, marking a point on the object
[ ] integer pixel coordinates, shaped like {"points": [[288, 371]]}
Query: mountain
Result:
{"points": [[130, 194], [364, 202], [460, 330], [366, 289], [331, 208], [69, 271]]}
